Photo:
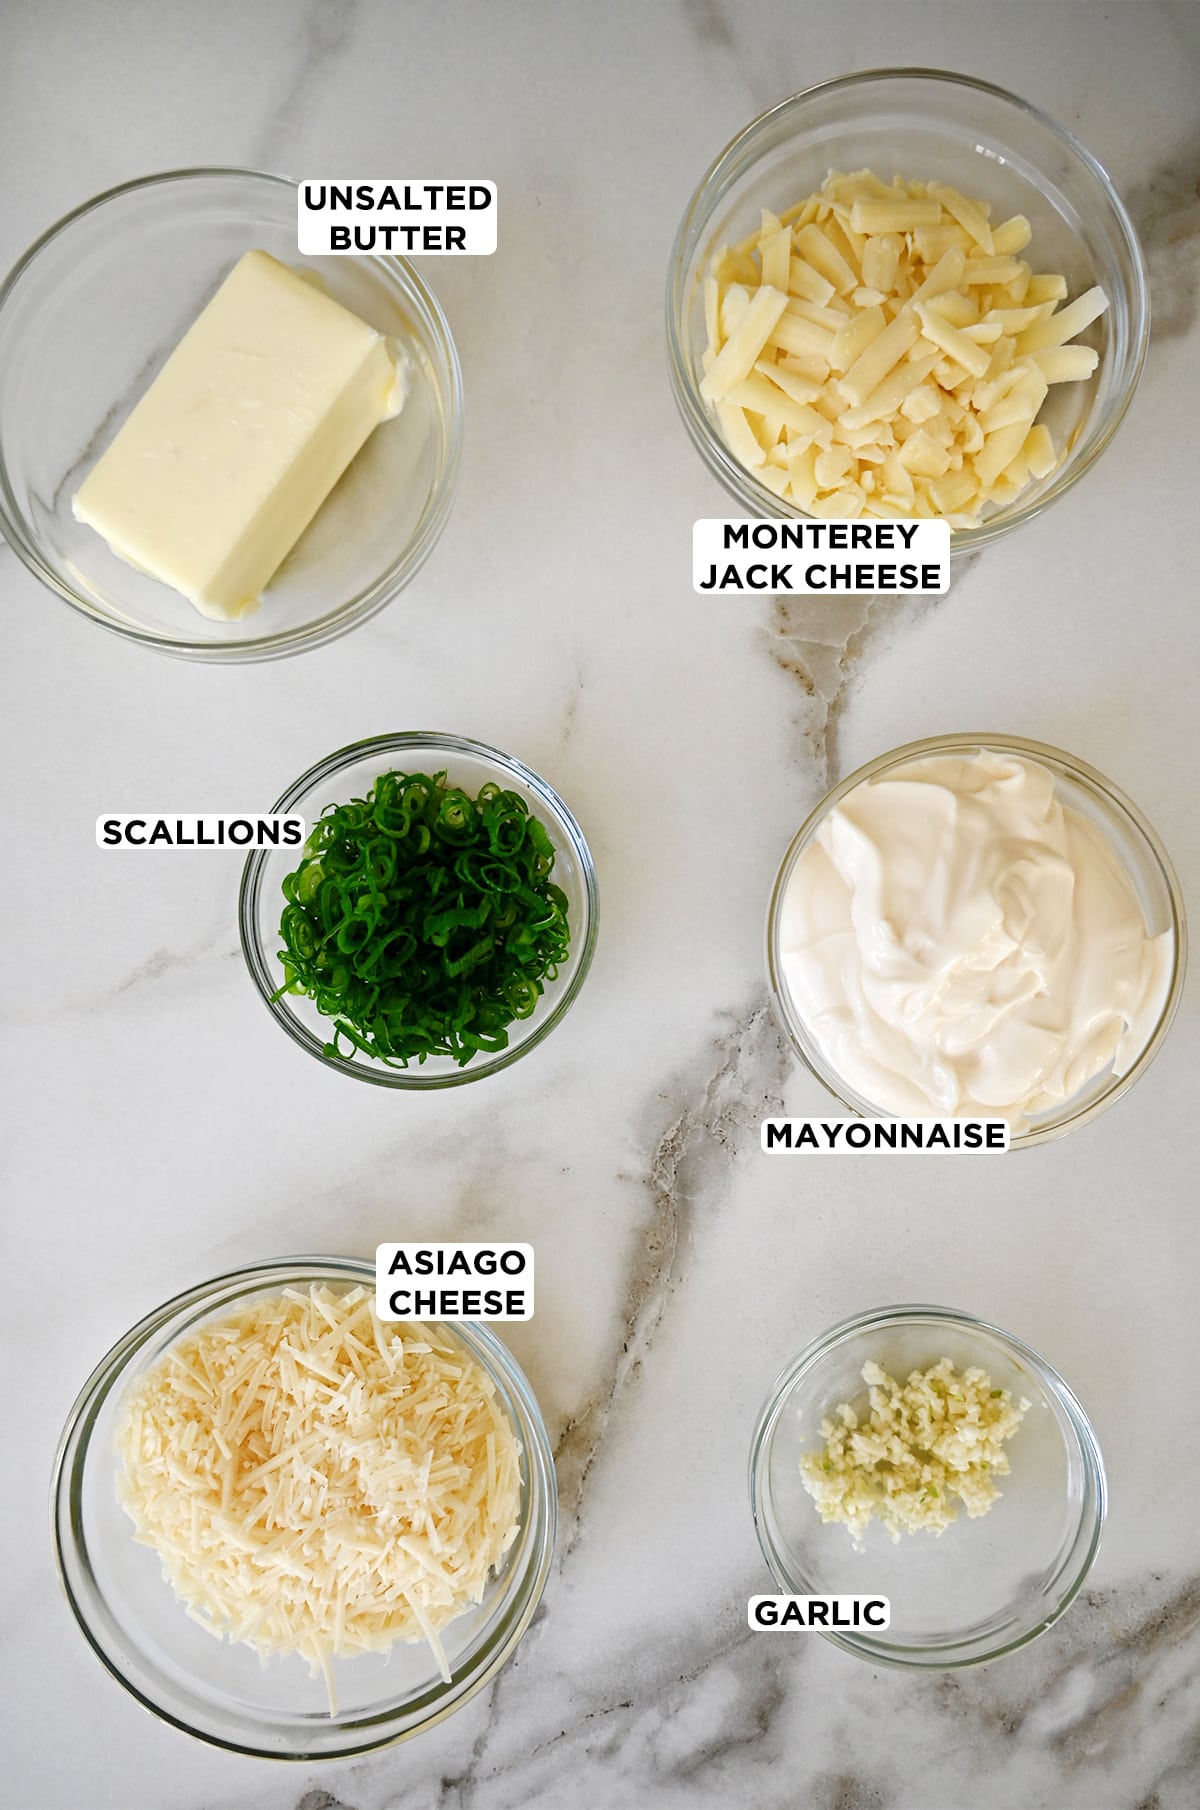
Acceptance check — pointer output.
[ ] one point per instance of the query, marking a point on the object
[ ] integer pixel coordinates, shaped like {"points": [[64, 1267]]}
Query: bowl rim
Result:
{"points": [[402, 275], [1095, 1492], [733, 476], [107, 1376], [1094, 781], [253, 875]]}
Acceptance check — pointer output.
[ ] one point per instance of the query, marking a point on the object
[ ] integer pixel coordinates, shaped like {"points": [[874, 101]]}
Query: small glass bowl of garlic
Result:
{"points": [[905, 293], [968, 1584]]}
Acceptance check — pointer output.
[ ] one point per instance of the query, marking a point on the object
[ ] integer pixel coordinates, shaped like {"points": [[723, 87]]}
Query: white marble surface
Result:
{"points": [[158, 1128]]}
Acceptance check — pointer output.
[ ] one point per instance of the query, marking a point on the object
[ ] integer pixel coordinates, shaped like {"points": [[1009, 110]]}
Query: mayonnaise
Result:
{"points": [[958, 940]]}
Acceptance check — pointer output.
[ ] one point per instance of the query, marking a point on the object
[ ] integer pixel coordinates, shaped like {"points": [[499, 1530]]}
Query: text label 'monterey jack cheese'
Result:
{"points": [[812, 558]]}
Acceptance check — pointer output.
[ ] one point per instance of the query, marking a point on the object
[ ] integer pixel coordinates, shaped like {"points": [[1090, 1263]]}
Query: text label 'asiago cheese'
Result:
{"points": [[449, 1281]]}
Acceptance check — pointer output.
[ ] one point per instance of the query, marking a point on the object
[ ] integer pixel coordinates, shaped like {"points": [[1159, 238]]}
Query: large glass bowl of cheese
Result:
{"points": [[1014, 944], [294, 1705], [954, 133], [992, 1579], [148, 330]]}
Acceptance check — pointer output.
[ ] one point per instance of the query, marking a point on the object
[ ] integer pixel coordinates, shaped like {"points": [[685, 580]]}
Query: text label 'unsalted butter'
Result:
{"points": [[811, 559], [408, 216], [858, 1137], [820, 1612], [214, 829], [454, 1281]]}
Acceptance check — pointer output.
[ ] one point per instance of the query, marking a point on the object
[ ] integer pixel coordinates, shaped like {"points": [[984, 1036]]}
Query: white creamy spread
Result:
{"points": [[958, 940]]}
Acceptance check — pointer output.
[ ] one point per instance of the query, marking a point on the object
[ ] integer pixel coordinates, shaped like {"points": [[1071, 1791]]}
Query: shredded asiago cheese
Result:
{"points": [[925, 1443], [879, 351], [315, 1482]]}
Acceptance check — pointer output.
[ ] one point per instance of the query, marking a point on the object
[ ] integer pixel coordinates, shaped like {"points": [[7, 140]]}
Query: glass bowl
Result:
{"points": [[926, 124], [221, 1692], [349, 773], [983, 1587], [87, 318], [1145, 861]]}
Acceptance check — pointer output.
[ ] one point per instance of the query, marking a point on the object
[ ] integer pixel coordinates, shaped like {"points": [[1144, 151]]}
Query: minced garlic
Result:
{"points": [[926, 1446]]}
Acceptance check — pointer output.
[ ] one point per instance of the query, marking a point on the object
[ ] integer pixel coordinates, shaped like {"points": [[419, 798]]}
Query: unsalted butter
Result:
{"points": [[242, 435]]}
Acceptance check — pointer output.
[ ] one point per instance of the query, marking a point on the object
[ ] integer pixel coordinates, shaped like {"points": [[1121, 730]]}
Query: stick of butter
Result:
{"points": [[223, 463]]}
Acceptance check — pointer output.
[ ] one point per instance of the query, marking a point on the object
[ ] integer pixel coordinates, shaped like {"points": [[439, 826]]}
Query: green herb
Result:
{"points": [[422, 920], [996, 1394]]}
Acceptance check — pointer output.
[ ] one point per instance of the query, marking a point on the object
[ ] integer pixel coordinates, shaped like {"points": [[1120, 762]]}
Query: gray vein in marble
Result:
{"points": [[678, 1727], [1166, 211], [325, 35], [572, 711], [163, 964], [589, 1716], [745, 1078], [669, 1686], [816, 642], [168, 961], [1099, 1713], [1132, 1669], [842, 1791], [1116, 1681], [456, 1790], [756, 1713], [1081, 1717], [1101, 1710], [714, 34], [709, 24], [819, 642], [737, 1079]]}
